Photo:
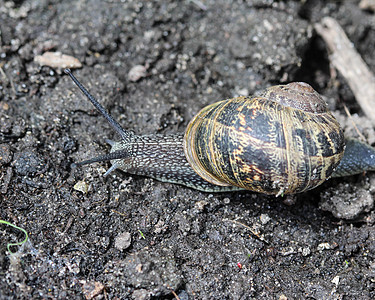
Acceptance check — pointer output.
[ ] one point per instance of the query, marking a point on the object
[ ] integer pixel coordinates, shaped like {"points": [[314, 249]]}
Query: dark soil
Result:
{"points": [[135, 237]]}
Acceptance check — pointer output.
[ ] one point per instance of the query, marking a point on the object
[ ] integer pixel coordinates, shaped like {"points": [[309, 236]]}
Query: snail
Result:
{"points": [[283, 141]]}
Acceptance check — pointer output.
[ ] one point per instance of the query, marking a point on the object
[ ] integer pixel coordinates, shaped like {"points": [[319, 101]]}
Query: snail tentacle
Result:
{"points": [[125, 135], [111, 169]]}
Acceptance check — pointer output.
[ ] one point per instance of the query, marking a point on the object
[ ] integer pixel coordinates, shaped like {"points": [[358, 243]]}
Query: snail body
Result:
{"points": [[283, 141]]}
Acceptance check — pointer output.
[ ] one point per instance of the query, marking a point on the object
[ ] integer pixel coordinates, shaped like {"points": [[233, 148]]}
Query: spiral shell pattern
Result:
{"points": [[282, 142]]}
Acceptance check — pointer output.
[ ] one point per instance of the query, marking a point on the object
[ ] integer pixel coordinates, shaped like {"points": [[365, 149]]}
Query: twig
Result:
{"points": [[174, 294], [257, 235], [354, 124], [350, 64]]}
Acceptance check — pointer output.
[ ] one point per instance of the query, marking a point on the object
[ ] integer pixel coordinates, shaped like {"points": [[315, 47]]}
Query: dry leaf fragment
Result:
{"points": [[81, 186], [57, 60]]}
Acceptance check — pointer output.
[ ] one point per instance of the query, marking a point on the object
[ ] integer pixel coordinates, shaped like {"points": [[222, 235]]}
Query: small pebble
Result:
{"points": [[324, 246], [123, 241], [336, 280], [137, 72], [91, 289], [264, 218], [306, 251]]}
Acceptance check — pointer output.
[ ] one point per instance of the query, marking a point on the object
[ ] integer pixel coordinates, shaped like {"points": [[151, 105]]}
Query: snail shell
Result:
{"points": [[283, 141]]}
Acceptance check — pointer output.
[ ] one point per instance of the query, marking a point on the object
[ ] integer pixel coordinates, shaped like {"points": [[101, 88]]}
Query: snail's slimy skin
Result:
{"points": [[161, 157], [358, 157]]}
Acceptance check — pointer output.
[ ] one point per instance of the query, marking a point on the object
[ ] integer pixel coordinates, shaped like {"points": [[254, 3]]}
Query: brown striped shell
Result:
{"points": [[283, 141]]}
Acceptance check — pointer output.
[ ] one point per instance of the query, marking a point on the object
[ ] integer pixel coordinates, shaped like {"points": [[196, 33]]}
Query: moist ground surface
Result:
{"points": [[134, 237]]}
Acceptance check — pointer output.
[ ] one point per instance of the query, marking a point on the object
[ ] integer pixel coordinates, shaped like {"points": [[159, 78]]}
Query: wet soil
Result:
{"points": [[131, 237]]}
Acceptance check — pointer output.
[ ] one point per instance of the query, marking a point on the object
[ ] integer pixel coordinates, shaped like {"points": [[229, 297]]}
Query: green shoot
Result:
{"points": [[18, 243], [142, 236]]}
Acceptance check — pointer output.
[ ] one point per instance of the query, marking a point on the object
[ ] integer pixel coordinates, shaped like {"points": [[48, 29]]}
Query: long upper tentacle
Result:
{"points": [[125, 134]]}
